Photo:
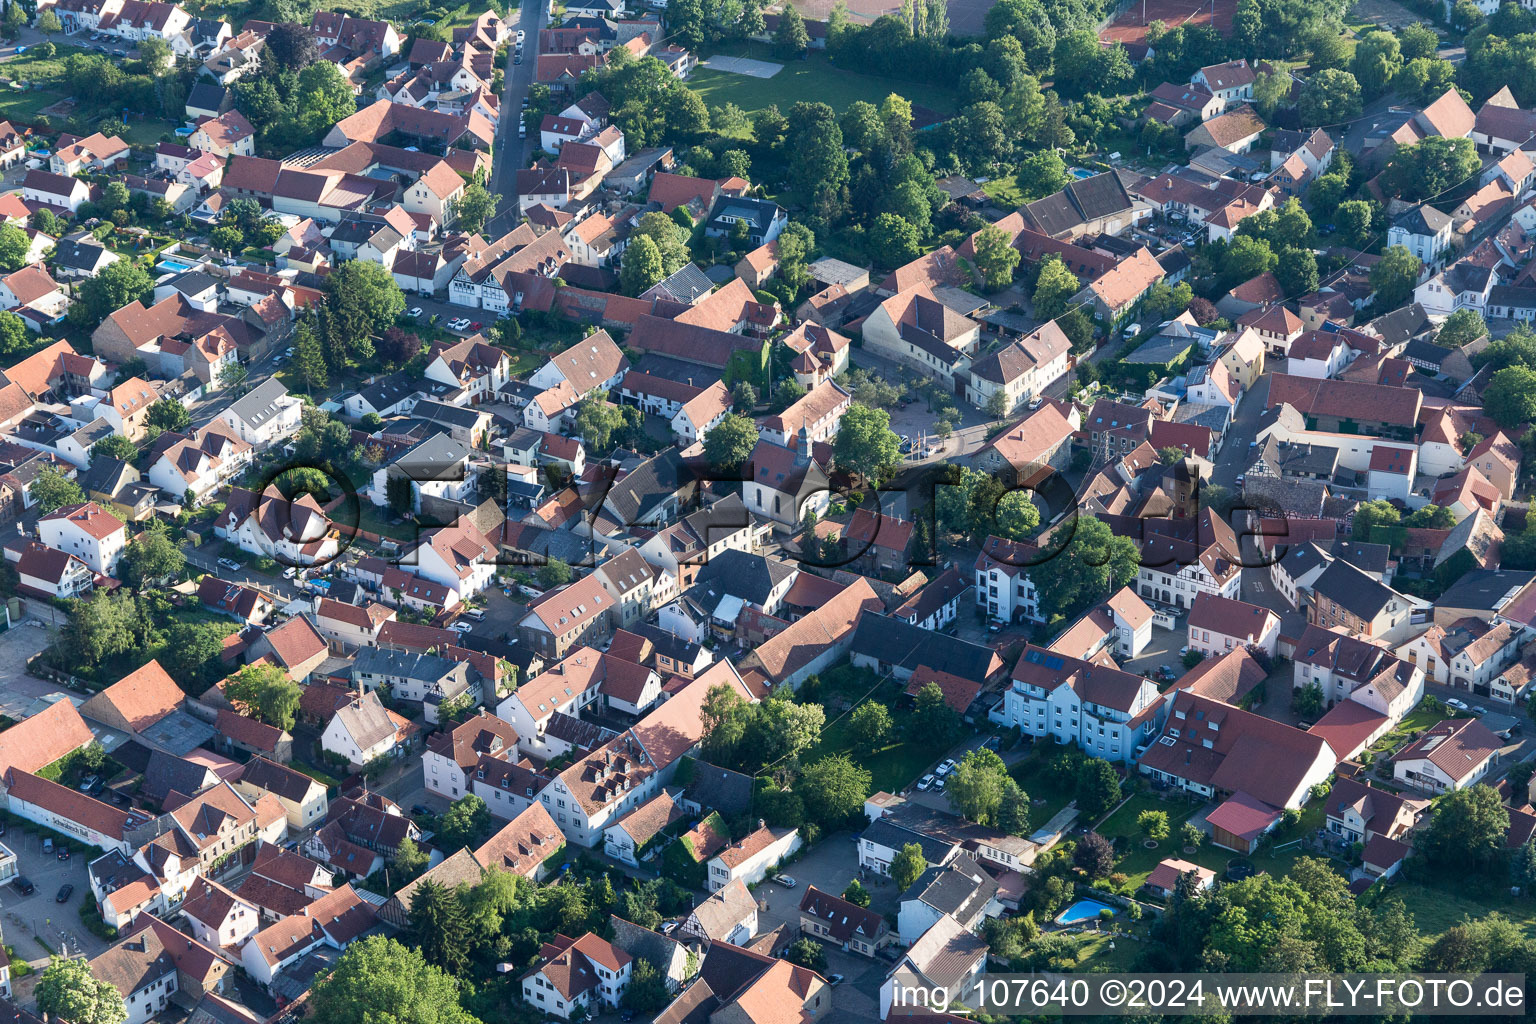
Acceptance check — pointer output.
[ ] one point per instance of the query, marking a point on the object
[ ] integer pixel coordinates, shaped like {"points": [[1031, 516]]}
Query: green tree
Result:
{"points": [[1371, 514], [408, 860], [596, 421], [870, 726], [1017, 516], [647, 991], [730, 442], [865, 444], [1377, 60], [1330, 98], [554, 573], [807, 953], [1095, 855], [1270, 89], [13, 333], [115, 447], [833, 789], [1428, 168], [118, 285], [308, 358], [1088, 568], [856, 894], [378, 979], [438, 927], [1431, 517], [1418, 40], [907, 865], [466, 822], [790, 38], [1466, 829], [68, 991], [1054, 287], [893, 241], [52, 489], [267, 691], [1354, 219], [975, 787], [1308, 700], [640, 267], [1153, 825], [1296, 270], [932, 718], [48, 23], [996, 258], [233, 375], [1394, 276], [474, 207], [1098, 788], [361, 300], [14, 246], [1462, 327], [151, 556], [103, 626], [1510, 396], [169, 414]]}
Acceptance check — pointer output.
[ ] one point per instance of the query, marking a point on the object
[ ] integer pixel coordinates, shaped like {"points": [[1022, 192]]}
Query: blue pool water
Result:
{"points": [[172, 263], [1082, 910]]}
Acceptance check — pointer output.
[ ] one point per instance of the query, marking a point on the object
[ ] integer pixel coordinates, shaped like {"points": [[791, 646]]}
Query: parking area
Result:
{"points": [[40, 916], [17, 645], [1163, 649]]}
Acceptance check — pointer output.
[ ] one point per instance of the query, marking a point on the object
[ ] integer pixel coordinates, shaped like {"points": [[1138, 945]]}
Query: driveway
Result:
{"points": [[1235, 454]]}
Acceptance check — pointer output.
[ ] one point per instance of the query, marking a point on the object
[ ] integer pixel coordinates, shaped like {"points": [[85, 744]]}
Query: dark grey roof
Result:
{"points": [[1403, 323], [742, 574], [436, 458], [1483, 589], [1372, 558], [260, 404], [658, 478], [1423, 220], [887, 833], [719, 789], [78, 254], [433, 411], [687, 283], [379, 661], [523, 439], [207, 96], [760, 212], [585, 735], [895, 641], [276, 778], [191, 282], [1361, 595], [960, 888], [1099, 195], [669, 645], [1422, 350], [1301, 497], [166, 772]]}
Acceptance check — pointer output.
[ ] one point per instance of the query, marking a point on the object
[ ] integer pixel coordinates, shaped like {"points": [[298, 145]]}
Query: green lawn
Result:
{"points": [[1031, 776], [1416, 721], [891, 769], [815, 79], [1454, 899], [1093, 952]]}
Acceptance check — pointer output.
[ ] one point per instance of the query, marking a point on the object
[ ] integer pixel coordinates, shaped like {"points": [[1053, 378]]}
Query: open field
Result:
{"points": [[1131, 26], [815, 79]]}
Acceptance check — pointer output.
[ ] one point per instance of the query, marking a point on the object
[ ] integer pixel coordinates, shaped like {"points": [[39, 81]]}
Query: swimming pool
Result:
{"points": [[173, 263], [1082, 910]]}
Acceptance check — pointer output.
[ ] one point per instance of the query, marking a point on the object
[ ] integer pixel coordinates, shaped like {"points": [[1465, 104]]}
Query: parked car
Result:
{"points": [[787, 881], [926, 782], [65, 892], [63, 853], [24, 885], [48, 845], [414, 312], [230, 564], [1459, 705], [945, 768], [463, 627], [834, 979], [938, 786], [1478, 709], [421, 810]]}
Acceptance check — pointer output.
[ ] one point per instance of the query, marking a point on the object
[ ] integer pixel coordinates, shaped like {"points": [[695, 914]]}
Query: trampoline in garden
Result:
{"points": [[1239, 868]]}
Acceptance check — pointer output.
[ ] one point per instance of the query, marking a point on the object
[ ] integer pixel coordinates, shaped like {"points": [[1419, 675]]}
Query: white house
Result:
{"points": [[1219, 624], [1447, 756], [88, 532], [575, 974], [364, 730], [264, 415], [751, 859], [1107, 712]]}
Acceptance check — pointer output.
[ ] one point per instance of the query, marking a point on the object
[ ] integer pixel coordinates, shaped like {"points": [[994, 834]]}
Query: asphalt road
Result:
{"points": [[511, 152]]}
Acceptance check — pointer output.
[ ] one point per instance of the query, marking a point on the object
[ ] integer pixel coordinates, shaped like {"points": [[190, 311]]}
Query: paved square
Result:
{"points": [[743, 66]]}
